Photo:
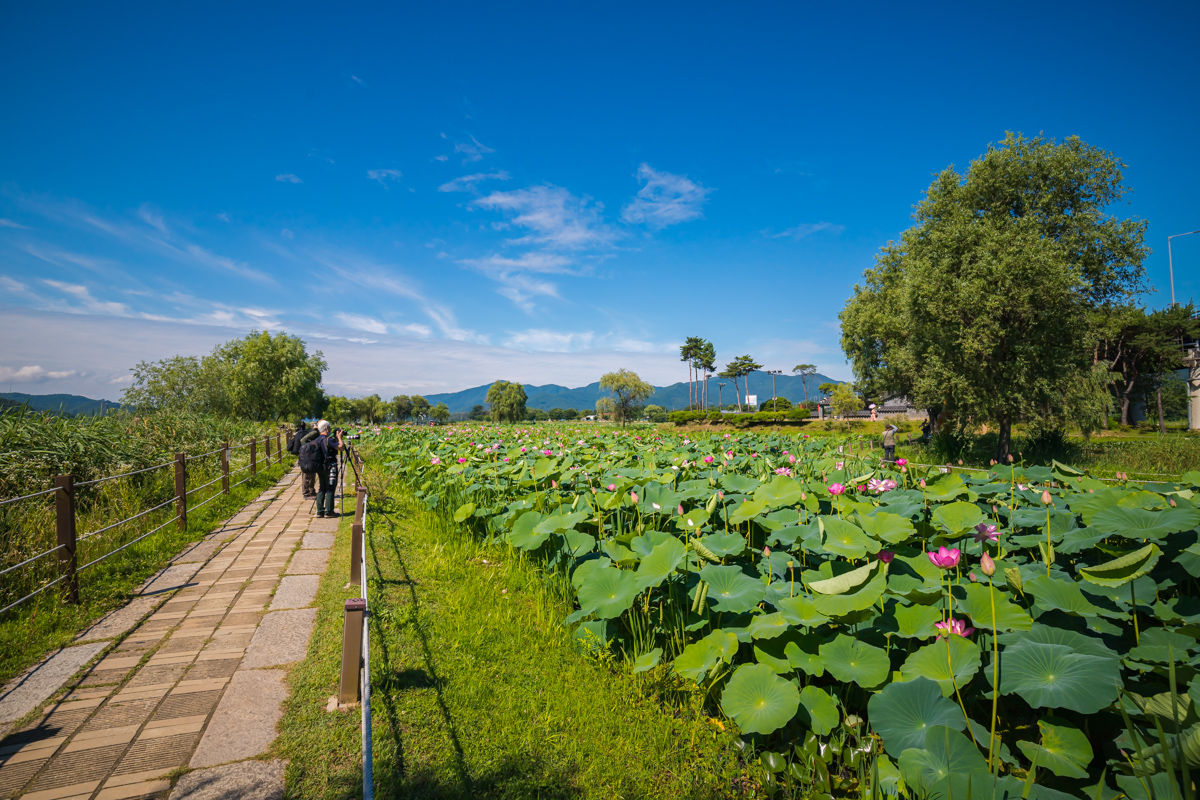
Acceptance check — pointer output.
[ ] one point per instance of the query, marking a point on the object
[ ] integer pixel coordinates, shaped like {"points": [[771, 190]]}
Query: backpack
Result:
{"points": [[293, 445], [312, 457]]}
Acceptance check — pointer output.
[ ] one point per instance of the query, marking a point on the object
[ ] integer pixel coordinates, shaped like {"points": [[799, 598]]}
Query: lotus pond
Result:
{"points": [[868, 628]]}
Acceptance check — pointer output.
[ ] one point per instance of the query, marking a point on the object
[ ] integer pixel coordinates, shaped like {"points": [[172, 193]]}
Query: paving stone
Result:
{"points": [[26, 692], [281, 638], [296, 591], [173, 577], [119, 621], [243, 726], [308, 562], [248, 780], [318, 540], [200, 551]]}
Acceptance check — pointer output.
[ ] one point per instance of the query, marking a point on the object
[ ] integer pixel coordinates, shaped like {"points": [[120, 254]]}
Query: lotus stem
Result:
{"points": [[995, 674]]}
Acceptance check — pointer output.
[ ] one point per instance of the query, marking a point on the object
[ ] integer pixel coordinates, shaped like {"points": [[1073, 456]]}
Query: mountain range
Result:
{"points": [[670, 397], [72, 404]]}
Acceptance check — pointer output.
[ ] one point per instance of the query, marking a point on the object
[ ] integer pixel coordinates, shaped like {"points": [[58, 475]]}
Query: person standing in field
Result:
{"points": [[327, 477], [889, 442]]}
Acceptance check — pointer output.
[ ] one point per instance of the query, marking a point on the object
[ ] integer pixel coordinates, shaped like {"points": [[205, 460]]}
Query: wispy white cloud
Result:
{"points": [[288, 177], [13, 286], [83, 296], [805, 229], [384, 175], [61, 257], [557, 218], [547, 341], [362, 323], [472, 151], [664, 199], [33, 373], [467, 182], [527, 262], [8, 223], [417, 329], [287, 234], [153, 218]]}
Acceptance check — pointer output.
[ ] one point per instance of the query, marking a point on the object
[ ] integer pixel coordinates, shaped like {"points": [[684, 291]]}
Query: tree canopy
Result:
{"points": [[257, 377], [628, 389], [507, 401], [982, 308]]}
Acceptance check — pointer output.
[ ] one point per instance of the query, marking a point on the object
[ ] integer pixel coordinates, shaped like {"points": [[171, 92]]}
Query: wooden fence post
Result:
{"points": [[360, 496], [278, 446], [253, 457], [181, 490], [64, 511], [356, 551], [267, 450], [225, 469], [355, 609]]}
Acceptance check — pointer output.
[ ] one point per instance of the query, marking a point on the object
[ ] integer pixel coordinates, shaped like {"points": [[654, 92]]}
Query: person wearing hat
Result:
{"points": [[889, 442]]}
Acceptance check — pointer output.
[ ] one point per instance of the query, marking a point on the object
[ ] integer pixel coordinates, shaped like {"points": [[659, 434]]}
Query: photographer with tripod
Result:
{"points": [[319, 457]]}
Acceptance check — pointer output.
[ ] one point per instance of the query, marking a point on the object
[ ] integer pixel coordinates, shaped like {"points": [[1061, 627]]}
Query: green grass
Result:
{"points": [[46, 623], [479, 690]]}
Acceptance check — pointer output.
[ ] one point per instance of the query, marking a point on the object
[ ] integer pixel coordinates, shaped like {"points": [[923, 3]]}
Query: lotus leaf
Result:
{"points": [[523, 536], [821, 712], [584, 569], [647, 661], [1056, 676], [1061, 593], [844, 582], [946, 752], [799, 610], [911, 622], [1064, 749], [887, 527], [643, 545], [557, 523], [859, 598], [580, 543], [747, 511], [724, 544], [853, 661], [979, 599], [758, 700], [660, 563], [732, 590], [782, 491], [618, 552], [957, 517], [464, 511], [903, 712], [951, 662], [1138, 523], [768, 626], [608, 592], [738, 483], [1122, 570], [914, 574], [846, 539], [592, 636]]}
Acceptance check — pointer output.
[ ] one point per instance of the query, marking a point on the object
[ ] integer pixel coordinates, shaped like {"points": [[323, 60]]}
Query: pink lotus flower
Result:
{"points": [[783, 471], [553, 484], [986, 533], [791, 459], [656, 506], [462, 461], [547, 452], [837, 488], [1022, 486], [901, 462], [839, 465], [633, 496], [728, 455], [522, 449], [886, 556], [987, 565], [612, 487], [708, 459], [435, 461], [955, 627], [880, 486], [945, 558], [506, 458]]}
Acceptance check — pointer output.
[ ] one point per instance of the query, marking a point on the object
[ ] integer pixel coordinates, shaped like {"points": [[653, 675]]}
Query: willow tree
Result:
{"points": [[629, 391], [507, 401], [983, 307]]}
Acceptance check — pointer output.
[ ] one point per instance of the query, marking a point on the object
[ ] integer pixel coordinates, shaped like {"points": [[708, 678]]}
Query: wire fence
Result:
{"points": [[40, 524]]}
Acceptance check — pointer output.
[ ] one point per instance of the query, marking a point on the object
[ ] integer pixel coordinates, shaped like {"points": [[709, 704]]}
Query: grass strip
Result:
{"points": [[29, 632], [478, 689]]}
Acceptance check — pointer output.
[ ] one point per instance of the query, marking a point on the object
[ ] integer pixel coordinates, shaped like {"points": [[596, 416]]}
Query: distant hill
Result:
{"points": [[670, 397], [72, 404]]}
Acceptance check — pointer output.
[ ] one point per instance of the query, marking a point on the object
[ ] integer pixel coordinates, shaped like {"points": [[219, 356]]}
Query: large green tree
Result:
{"points": [[740, 367], [805, 371], [259, 377], [629, 391], [402, 407], [507, 401], [983, 307]]}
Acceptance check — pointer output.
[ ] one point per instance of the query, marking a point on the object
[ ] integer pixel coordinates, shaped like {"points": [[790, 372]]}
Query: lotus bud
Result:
{"points": [[973, 578], [680, 509], [987, 565], [766, 552], [960, 462], [922, 483], [1172, 502], [886, 556], [633, 496], [1046, 497], [1010, 458], [720, 494]]}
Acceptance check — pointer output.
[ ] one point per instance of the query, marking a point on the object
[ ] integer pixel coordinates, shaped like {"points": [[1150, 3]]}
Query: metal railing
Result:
{"points": [[355, 681], [65, 511]]}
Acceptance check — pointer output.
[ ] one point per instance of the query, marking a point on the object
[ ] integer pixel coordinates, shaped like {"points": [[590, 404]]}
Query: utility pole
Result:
{"points": [[773, 373], [1171, 262], [720, 402]]}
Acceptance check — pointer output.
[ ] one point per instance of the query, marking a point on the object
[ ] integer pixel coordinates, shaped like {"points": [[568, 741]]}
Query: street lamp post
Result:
{"points": [[1171, 262], [707, 375], [773, 373]]}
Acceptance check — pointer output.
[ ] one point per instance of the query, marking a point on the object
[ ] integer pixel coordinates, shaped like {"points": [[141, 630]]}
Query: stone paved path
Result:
{"points": [[197, 684]]}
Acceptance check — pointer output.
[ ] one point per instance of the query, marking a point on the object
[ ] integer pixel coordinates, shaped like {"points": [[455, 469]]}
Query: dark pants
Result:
{"points": [[889, 452], [310, 478], [328, 484]]}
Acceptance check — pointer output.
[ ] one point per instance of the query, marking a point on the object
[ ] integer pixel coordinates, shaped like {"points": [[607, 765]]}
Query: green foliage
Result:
{"points": [[985, 307], [507, 401], [628, 392]]}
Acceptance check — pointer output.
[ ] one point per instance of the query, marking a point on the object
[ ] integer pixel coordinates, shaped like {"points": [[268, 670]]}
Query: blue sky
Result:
{"points": [[438, 197]]}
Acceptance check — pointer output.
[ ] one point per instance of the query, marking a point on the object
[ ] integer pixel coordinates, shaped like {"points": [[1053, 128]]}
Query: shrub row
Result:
{"points": [[716, 417]]}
